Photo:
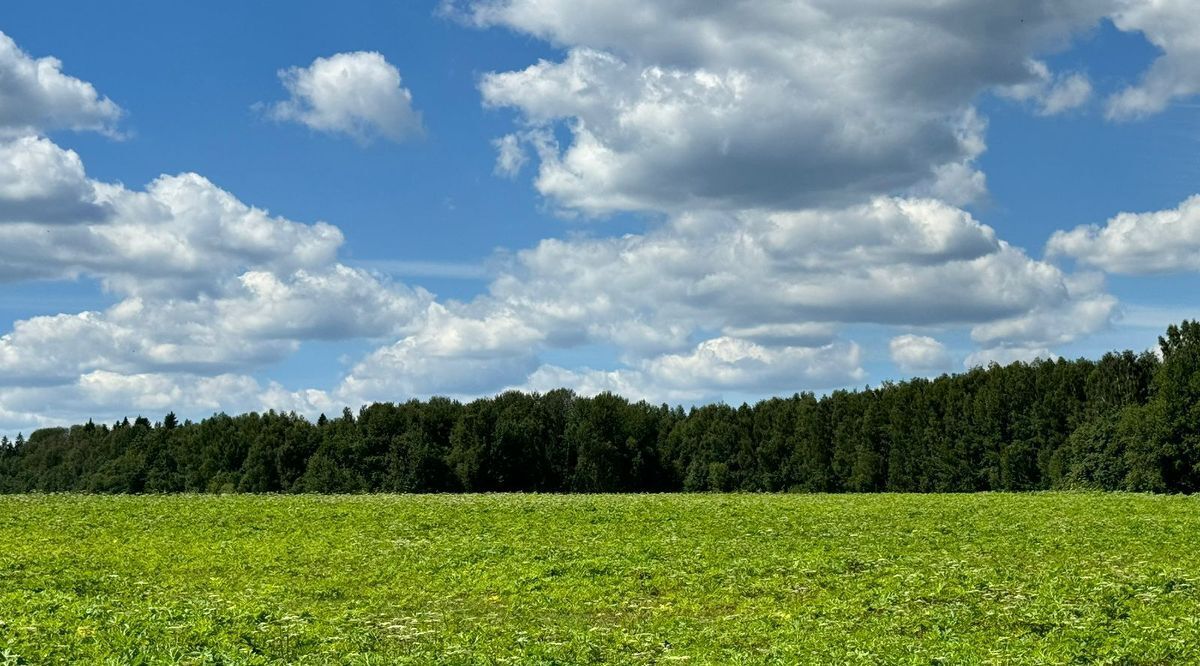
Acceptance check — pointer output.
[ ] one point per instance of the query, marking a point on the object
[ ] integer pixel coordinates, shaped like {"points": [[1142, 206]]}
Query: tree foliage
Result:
{"points": [[1124, 422]]}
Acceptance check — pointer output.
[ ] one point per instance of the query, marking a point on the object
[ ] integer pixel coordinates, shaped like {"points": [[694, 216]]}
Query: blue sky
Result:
{"points": [[714, 202]]}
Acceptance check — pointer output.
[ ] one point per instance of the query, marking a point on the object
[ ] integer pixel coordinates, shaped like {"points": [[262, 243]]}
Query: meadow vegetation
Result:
{"points": [[638, 579]]}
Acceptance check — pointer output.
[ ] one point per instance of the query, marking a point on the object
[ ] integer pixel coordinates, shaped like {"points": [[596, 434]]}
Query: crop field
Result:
{"points": [[690, 579]]}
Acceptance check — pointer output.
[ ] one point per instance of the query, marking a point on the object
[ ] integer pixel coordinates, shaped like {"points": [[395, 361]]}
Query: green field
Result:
{"points": [[694, 579]]}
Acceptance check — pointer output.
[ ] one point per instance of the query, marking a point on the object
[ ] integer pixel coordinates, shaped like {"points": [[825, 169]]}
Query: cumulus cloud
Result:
{"points": [[108, 396], [56, 350], [1137, 243], [712, 369], [208, 287], [181, 235], [1050, 94], [778, 104], [466, 352], [727, 363], [1084, 308], [809, 159], [892, 261], [358, 94], [959, 183], [36, 96], [1006, 355], [43, 183], [801, 334], [796, 103], [1173, 27], [159, 393], [777, 285], [259, 319], [919, 354]]}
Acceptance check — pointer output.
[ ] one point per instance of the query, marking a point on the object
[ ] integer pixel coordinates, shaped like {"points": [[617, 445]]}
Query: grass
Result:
{"points": [[687, 579]]}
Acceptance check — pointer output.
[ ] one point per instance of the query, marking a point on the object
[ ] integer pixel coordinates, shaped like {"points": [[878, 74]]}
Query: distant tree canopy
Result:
{"points": [[1125, 422]]}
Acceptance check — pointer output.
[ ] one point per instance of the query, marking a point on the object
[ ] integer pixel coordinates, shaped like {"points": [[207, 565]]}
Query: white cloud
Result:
{"points": [[336, 302], [803, 334], [260, 319], [1137, 243], [160, 394], [182, 235], [1174, 27], [1084, 308], [960, 183], [957, 183], [893, 261], [589, 382], [1006, 355], [731, 364], [43, 183], [107, 397], [713, 369], [458, 270], [646, 137], [673, 105], [128, 338], [919, 354], [808, 156], [510, 156], [1051, 94], [357, 94], [777, 285], [208, 287], [36, 96], [1069, 93], [242, 289], [1029, 336], [468, 352]]}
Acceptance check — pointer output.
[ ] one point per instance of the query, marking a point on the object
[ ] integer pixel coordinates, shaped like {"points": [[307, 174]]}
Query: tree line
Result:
{"points": [[1124, 422]]}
